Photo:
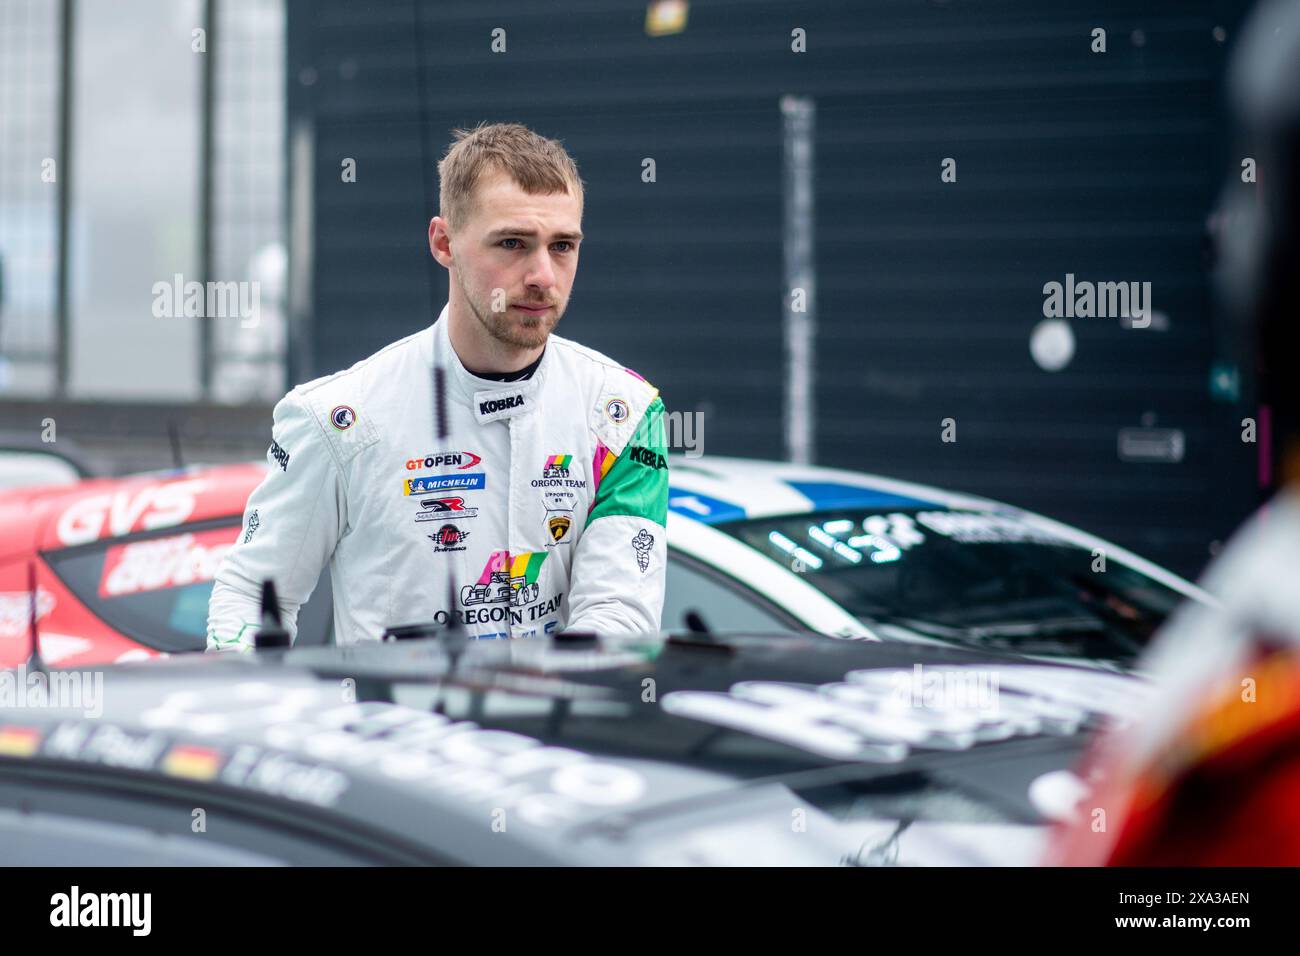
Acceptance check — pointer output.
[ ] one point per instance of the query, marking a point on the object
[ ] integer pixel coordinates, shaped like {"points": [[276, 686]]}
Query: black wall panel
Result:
{"points": [[1103, 165]]}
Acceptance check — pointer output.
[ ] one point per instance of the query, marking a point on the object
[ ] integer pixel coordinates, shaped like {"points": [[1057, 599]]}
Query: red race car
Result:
{"points": [[123, 566]]}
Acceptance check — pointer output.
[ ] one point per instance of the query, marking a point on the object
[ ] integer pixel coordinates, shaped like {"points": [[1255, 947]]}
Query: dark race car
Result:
{"points": [[690, 749]]}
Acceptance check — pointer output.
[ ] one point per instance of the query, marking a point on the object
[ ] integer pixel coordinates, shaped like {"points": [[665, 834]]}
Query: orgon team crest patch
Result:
{"points": [[343, 416]]}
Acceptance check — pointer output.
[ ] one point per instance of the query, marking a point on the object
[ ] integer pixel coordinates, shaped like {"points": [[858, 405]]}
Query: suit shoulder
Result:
{"points": [[361, 373], [601, 366], [340, 403], [620, 397]]}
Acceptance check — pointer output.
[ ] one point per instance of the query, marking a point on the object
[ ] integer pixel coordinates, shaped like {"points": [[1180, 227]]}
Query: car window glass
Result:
{"points": [[723, 607], [993, 579], [155, 589]]}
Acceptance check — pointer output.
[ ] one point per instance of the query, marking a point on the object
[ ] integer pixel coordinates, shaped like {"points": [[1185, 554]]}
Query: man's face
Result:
{"points": [[515, 260]]}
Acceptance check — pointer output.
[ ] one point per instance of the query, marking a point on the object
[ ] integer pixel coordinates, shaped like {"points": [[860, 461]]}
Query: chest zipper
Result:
{"points": [[510, 512]]}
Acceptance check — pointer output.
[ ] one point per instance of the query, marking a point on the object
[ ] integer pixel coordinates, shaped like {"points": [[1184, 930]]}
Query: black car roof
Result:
{"points": [[578, 744]]}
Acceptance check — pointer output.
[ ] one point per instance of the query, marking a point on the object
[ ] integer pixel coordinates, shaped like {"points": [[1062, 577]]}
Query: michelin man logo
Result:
{"points": [[643, 543]]}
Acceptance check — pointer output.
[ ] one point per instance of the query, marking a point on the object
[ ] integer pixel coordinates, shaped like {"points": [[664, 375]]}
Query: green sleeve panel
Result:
{"points": [[637, 483]]}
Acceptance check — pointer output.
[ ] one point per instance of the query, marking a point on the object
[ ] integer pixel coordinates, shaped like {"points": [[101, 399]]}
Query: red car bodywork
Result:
{"points": [[139, 535]]}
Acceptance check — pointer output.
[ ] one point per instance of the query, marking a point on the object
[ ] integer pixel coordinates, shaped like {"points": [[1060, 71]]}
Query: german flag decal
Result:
{"points": [[18, 741], [192, 763]]}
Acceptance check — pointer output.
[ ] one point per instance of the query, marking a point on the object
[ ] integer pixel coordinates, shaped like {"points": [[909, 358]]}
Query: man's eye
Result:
{"points": [[565, 243], [504, 241]]}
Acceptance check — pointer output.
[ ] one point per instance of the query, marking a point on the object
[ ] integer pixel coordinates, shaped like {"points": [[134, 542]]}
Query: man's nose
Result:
{"points": [[541, 272]]}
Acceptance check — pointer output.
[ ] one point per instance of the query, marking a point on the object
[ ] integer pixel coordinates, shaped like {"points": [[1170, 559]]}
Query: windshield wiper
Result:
{"points": [[1083, 636], [884, 853], [1050, 627]]}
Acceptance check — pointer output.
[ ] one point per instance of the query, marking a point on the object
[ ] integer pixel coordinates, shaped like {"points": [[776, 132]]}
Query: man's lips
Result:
{"points": [[532, 309]]}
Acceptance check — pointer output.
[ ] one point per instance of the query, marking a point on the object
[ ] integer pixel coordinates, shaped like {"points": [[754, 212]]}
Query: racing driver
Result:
{"points": [[543, 509]]}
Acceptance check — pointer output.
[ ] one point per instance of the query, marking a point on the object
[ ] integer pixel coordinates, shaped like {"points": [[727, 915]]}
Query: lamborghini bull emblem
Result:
{"points": [[559, 527]]}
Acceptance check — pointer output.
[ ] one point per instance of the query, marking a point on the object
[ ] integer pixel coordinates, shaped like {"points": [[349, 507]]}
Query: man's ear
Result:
{"points": [[440, 241]]}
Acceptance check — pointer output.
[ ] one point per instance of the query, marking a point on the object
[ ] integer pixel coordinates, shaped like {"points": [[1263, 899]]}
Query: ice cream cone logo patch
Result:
{"points": [[643, 543]]}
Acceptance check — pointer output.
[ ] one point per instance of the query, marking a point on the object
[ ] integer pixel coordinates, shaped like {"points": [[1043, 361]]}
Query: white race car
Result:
{"points": [[753, 546], [760, 545]]}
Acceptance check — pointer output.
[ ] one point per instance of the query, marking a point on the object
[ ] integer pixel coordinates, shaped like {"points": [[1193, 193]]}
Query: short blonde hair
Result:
{"points": [[538, 165]]}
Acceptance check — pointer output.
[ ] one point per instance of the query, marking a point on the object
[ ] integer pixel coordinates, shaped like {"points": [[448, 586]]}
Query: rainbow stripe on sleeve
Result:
{"points": [[600, 466]]}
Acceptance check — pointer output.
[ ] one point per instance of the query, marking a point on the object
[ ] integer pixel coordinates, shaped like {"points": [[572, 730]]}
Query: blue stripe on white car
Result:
{"points": [[703, 508], [829, 495]]}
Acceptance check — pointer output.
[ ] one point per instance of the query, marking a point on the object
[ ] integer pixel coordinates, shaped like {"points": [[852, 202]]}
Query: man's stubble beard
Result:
{"points": [[516, 330]]}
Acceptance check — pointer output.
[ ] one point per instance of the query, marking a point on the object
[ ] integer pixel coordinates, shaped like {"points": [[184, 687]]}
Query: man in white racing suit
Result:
{"points": [[545, 506]]}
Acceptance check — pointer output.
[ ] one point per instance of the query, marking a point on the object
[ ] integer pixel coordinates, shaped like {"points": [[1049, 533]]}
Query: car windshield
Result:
{"points": [[154, 590], [996, 579]]}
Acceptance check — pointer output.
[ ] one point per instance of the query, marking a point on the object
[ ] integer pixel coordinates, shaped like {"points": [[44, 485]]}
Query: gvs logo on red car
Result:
{"points": [[114, 514]]}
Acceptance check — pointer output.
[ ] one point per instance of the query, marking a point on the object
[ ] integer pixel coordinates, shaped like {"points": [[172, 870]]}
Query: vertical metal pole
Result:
{"points": [[62, 337], [300, 360], [206, 123], [799, 116]]}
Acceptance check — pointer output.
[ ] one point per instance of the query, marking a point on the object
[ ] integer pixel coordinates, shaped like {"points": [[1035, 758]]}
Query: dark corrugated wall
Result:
{"points": [[1103, 165]]}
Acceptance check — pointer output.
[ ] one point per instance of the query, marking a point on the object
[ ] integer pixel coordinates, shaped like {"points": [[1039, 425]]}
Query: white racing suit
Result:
{"points": [[544, 508]]}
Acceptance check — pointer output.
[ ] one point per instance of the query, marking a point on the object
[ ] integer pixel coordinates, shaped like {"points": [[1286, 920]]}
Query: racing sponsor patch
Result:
{"points": [[556, 474], [448, 538], [426, 484], [161, 563], [441, 509], [279, 455], [558, 526], [500, 613], [643, 544], [254, 522], [491, 406], [508, 590], [647, 457], [559, 516], [616, 411], [557, 466], [462, 460], [343, 417], [559, 482]]}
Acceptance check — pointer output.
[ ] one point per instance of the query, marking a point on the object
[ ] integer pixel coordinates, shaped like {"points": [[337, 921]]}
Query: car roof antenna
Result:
{"points": [[454, 635], [271, 634], [174, 437], [35, 662]]}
